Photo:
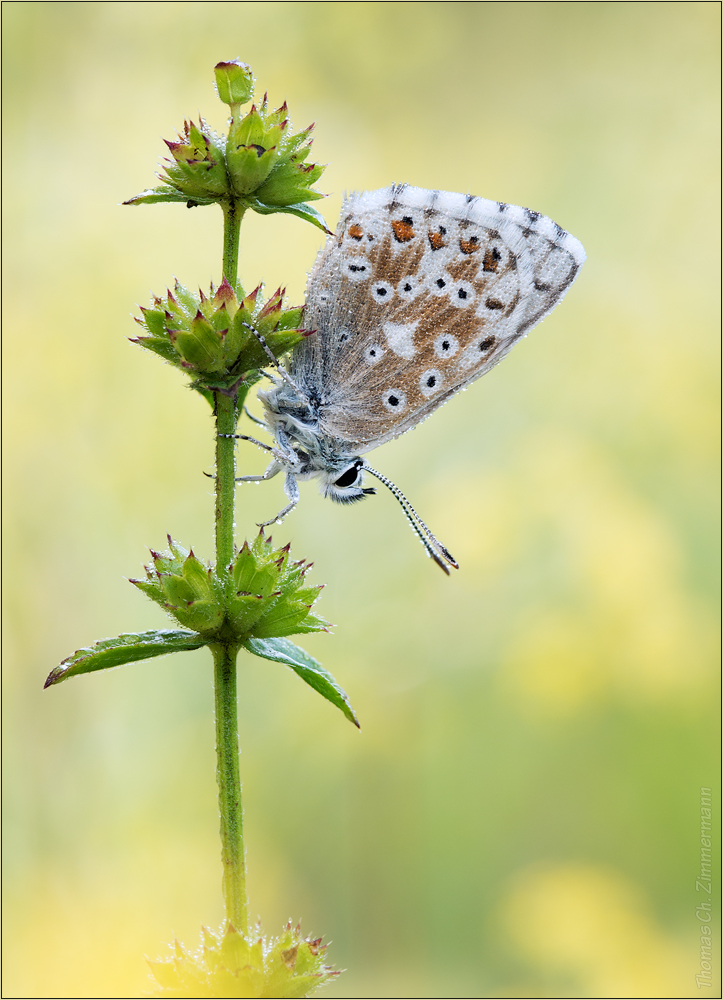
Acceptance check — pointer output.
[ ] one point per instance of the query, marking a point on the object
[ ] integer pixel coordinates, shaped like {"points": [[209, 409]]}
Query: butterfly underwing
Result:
{"points": [[416, 295]]}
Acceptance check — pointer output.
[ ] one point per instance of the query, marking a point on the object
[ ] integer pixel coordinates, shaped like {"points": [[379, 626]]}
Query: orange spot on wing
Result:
{"points": [[436, 241], [403, 231], [356, 232], [470, 245], [491, 260]]}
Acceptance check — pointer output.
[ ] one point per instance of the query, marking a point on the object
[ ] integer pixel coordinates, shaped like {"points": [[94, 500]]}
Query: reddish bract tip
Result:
{"points": [[224, 292]]}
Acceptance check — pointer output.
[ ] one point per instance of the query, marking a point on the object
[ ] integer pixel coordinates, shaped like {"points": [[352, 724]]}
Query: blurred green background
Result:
{"points": [[520, 814]]}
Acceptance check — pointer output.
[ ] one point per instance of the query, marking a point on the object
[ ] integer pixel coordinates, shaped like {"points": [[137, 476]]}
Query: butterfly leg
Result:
{"points": [[272, 357], [274, 468], [291, 489], [255, 419], [245, 437]]}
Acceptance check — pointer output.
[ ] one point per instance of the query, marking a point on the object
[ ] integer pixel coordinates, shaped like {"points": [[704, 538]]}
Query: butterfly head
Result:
{"points": [[345, 486]]}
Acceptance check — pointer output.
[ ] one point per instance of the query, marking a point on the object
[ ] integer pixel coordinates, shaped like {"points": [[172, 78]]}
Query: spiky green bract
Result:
{"points": [[267, 161], [261, 595], [211, 337], [197, 173], [230, 964], [267, 594], [188, 590], [261, 164], [254, 603]]}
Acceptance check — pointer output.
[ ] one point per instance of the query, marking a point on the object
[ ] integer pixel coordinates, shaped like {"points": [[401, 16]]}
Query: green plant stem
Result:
{"points": [[225, 478], [224, 654], [233, 213], [233, 856]]}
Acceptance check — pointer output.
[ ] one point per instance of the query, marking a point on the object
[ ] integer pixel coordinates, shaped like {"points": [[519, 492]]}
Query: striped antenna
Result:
{"points": [[433, 547]]}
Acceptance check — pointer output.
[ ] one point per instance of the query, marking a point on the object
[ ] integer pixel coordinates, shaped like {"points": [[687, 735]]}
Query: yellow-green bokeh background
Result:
{"points": [[519, 815]]}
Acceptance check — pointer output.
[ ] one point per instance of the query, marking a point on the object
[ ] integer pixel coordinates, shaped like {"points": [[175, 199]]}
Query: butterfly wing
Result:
{"points": [[416, 295]]}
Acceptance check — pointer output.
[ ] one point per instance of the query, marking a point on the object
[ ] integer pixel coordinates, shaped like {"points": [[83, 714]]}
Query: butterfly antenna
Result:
{"points": [[272, 357], [434, 548]]}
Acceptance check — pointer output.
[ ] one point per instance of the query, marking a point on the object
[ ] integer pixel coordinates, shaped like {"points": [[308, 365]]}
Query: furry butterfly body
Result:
{"points": [[418, 294]]}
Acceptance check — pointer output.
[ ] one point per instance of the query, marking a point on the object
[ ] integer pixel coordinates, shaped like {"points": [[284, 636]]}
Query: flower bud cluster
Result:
{"points": [[212, 337], [231, 964], [197, 171], [267, 161], [261, 595], [261, 164]]}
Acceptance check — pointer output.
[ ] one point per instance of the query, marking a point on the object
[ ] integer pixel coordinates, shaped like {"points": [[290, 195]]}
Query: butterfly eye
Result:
{"points": [[430, 382], [382, 291], [348, 478], [395, 400], [446, 346]]}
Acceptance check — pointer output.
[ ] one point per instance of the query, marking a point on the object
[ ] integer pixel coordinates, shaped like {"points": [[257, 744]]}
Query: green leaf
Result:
{"points": [[308, 669], [302, 210], [125, 649], [167, 193], [207, 395]]}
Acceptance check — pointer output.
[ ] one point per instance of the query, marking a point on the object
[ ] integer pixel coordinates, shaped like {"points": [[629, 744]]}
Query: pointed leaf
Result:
{"points": [[165, 192], [308, 669], [125, 649], [301, 210]]}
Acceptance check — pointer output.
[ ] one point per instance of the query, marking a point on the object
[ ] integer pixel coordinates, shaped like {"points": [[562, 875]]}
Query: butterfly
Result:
{"points": [[416, 295]]}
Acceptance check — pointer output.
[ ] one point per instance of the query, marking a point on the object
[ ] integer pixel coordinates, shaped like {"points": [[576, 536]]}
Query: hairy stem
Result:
{"points": [[233, 213], [233, 856], [226, 414]]}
